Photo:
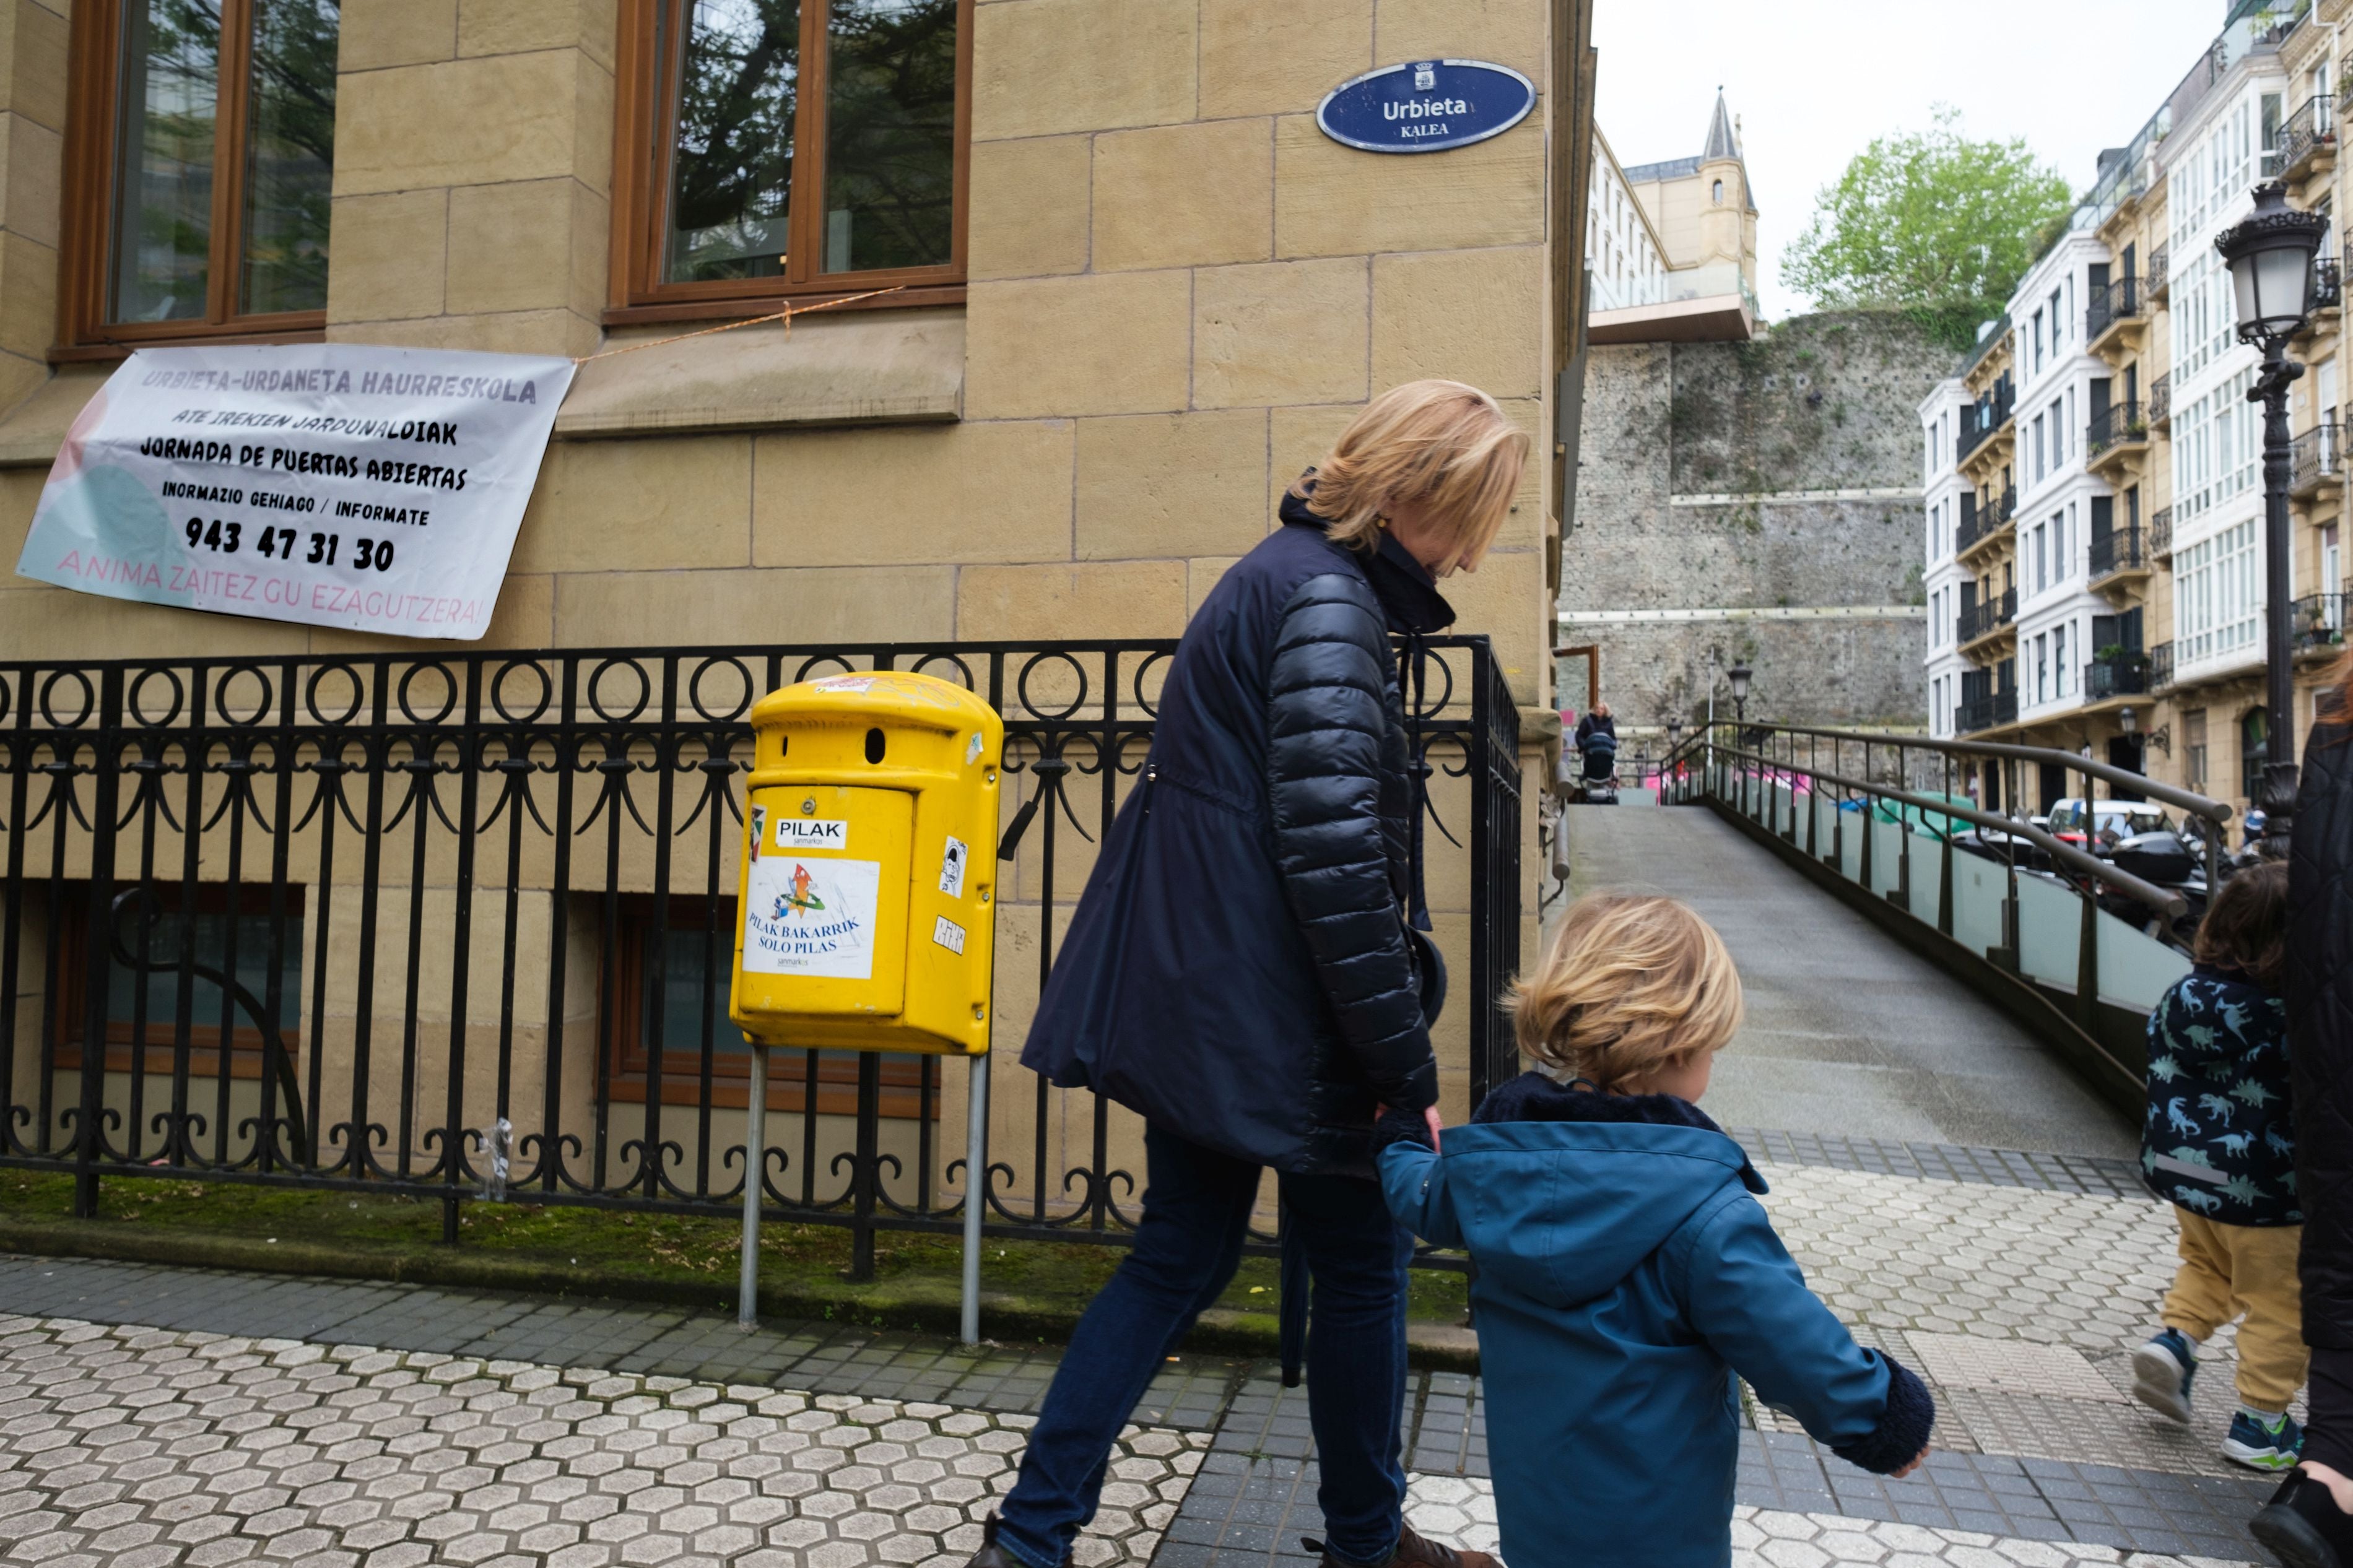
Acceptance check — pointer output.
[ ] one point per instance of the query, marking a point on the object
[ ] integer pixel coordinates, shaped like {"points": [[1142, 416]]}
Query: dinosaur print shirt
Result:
{"points": [[2218, 1139]]}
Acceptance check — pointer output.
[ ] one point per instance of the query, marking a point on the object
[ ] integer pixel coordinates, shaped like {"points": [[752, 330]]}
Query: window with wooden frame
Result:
{"points": [[687, 1003], [200, 159], [195, 943], [774, 149]]}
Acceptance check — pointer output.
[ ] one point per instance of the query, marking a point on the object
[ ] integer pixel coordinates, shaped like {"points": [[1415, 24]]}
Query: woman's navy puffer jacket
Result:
{"points": [[2320, 1030], [1238, 969]]}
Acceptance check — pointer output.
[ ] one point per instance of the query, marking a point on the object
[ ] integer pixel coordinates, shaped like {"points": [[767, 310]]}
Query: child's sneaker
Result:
{"points": [[2162, 1370], [2271, 1442]]}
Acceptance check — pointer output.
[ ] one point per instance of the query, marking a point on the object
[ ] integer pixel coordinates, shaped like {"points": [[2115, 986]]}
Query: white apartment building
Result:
{"points": [[2103, 593], [1943, 491], [1627, 262], [2212, 164]]}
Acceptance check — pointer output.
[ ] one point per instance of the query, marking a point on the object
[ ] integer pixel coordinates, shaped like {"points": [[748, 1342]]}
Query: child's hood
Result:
{"points": [[1561, 1207]]}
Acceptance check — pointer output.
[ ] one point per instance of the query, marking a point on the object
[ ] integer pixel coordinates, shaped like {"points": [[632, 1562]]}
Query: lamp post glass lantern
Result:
{"points": [[1739, 675], [2270, 255]]}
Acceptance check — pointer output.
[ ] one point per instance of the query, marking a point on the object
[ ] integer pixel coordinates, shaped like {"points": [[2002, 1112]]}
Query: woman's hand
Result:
{"points": [[1917, 1460]]}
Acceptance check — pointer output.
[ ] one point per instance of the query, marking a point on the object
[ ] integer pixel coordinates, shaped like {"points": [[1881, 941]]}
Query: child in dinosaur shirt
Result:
{"points": [[2216, 1144]]}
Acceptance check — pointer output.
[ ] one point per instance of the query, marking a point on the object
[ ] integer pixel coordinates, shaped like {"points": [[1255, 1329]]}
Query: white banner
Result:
{"points": [[377, 489]]}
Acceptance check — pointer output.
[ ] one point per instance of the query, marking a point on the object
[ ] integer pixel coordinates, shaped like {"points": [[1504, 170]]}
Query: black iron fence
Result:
{"points": [[440, 925], [2118, 675], [2316, 622], [2160, 667], [2160, 534], [2116, 302], [1988, 616], [2312, 127], [1986, 710], [2160, 399], [2317, 457], [2113, 425], [2120, 550]]}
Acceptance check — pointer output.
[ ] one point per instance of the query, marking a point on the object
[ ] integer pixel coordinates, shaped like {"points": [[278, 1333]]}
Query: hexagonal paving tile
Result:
{"points": [[273, 1450]]}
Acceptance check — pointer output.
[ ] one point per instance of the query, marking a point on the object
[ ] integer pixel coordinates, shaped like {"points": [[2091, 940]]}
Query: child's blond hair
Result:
{"points": [[1634, 982], [1442, 443]]}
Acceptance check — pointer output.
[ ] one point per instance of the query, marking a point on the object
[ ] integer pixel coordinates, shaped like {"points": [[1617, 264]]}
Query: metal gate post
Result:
{"points": [[755, 1165], [975, 1189]]}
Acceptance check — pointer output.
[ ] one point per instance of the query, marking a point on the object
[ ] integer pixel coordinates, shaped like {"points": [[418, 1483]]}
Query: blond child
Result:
{"points": [[1628, 1278]]}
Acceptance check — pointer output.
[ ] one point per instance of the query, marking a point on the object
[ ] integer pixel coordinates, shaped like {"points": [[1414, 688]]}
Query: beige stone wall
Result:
{"points": [[32, 161], [1181, 291]]}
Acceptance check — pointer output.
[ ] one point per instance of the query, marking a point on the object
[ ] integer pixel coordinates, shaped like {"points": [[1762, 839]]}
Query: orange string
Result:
{"points": [[785, 315]]}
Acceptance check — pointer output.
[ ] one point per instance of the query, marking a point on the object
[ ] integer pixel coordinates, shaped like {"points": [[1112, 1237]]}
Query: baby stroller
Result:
{"points": [[1599, 784]]}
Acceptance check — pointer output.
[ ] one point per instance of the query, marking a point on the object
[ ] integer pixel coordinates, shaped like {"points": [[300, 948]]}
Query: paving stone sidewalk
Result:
{"points": [[2017, 1286]]}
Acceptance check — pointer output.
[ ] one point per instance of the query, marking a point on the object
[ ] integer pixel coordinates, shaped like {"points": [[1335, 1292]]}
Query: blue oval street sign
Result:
{"points": [[1426, 106]]}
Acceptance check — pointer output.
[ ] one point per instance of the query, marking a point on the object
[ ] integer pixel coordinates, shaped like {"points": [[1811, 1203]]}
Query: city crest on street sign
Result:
{"points": [[1426, 106]]}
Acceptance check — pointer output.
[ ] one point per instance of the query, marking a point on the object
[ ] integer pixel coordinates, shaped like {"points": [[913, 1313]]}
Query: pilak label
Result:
{"points": [[1426, 106], [811, 833]]}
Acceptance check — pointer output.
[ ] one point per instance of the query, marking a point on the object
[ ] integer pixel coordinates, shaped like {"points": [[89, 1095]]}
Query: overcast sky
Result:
{"points": [[1813, 82]]}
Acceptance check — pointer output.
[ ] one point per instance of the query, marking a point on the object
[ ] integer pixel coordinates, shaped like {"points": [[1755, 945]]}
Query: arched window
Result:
{"points": [[1719, 193]]}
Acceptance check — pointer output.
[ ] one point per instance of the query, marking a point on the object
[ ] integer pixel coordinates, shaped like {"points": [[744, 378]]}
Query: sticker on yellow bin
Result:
{"points": [[811, 917]]}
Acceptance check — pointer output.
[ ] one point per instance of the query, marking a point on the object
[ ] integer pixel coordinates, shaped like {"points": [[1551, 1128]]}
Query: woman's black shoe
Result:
{"points": [[993, 1555], [2302, 1527]]}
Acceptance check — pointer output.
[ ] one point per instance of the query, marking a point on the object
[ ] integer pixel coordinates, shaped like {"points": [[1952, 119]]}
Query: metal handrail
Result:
{"points": [[2076, 761], [2089, 864]]}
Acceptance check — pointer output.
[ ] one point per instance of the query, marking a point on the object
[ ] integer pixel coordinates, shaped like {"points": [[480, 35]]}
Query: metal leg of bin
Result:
{"points": [[975, 1191], [755, 1143]]}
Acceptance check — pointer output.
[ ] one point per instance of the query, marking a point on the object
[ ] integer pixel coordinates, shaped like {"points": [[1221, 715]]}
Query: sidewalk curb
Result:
{"points": [[1434, 1347]]}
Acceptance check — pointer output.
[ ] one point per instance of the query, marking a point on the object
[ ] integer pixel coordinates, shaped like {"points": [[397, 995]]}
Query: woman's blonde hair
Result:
{"points": [[1440, 444], [1634, 982]]}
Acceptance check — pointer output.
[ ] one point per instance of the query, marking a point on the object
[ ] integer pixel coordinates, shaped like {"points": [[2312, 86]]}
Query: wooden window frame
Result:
{"points": [[93, 74], [69, 972], [644, 116], [626, 1077]]}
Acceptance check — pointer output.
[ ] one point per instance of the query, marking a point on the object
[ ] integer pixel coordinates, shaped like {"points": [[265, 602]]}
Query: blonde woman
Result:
{"points": [[1626, 1273], [1241, 968]]}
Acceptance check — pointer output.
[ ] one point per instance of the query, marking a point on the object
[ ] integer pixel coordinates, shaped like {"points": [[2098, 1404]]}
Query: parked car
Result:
{"points": [[2099, 826]]}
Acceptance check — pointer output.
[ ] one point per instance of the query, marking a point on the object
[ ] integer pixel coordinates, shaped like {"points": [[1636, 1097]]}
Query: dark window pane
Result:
{"points": [[164, 160], [289, 159], [682, 993], [210, 943], [889, 169], [731, 179]]}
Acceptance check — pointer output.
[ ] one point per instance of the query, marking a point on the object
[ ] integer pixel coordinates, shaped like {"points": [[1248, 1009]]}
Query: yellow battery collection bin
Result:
{"points": [[866, 906]]}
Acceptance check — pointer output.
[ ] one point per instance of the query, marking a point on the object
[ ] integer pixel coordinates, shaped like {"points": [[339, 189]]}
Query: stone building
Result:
{"points": [[1134, 289], [1739, 491]]}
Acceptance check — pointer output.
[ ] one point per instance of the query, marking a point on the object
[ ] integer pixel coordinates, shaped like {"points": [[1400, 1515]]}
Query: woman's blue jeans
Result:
{"points": [[1197, 1207]]}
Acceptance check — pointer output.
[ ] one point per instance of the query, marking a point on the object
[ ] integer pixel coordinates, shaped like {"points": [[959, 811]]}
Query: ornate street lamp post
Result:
{"points": [[1739, 675], [2270, 258]]}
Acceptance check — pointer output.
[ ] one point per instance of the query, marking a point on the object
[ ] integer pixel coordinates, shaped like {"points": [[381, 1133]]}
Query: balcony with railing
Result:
{"points": [[2160, 667], [1983, 620], [2120, 301], [2307, 140], [2160, 534], [1984, 713], [1980, 523], [2161, 401], [2327, 285], [2114, 431], [2120, 674], [2316, 461], [2117, 553], [2156, 275], [2316, 623]]}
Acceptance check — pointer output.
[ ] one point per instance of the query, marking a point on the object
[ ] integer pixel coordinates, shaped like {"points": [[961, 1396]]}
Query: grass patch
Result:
{"points": [[808, 1262]]}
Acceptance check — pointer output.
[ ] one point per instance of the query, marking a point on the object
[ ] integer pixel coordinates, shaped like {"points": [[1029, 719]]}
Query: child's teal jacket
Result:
{"points": [[1625, 1274]]}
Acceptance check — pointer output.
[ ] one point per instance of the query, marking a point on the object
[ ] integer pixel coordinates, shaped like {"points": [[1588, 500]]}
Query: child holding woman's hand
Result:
{"points": [[1627, 1275]]}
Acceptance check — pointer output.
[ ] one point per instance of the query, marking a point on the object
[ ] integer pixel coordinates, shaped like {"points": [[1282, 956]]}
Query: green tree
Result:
{"points": [[1931, 223]]}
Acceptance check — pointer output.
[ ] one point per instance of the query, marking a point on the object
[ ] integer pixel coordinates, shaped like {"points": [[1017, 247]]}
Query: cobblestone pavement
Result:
{"points": [[152, 1417]]}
